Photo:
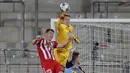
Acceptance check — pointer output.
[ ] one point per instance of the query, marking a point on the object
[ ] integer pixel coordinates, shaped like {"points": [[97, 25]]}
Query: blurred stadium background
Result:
{"points": [[22, 20]]}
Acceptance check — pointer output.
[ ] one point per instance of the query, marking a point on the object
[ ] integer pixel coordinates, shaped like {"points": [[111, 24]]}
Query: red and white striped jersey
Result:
{"points": [[46, 49]]}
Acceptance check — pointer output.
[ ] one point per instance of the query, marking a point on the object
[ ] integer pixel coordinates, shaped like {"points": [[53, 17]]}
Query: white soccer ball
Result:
{"points": [[64, 7]]}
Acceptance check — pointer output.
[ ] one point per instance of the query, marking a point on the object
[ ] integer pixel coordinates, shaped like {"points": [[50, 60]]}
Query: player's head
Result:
{"points": [[49, 34], [75, 57], [66, 19]]}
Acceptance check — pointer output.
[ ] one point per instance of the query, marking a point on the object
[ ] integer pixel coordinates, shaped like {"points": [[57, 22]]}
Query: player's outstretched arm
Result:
{"points": [[75, 39], [34, 42], [80, 71], [65, 44], [60, 20]]}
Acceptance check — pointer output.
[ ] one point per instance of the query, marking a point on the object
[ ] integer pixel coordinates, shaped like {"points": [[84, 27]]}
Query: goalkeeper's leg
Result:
{"points": [[61, 57]]}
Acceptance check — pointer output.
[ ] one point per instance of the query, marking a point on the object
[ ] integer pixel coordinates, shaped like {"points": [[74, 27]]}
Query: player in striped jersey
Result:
{"points": [[45, 49]]}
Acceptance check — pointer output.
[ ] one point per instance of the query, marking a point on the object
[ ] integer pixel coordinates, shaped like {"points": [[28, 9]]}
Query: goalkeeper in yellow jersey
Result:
{"points": [[63, 29]]}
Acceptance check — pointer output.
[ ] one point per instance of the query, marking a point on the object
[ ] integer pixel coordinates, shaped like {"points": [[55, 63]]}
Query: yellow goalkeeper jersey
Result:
{"points": [[62, 34]]}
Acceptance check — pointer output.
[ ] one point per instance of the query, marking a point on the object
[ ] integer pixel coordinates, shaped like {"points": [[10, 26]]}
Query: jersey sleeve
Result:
{"points": [[58, 24], [55, 44], [75, 39], [38, 42], [69, 64], [73, 35]]}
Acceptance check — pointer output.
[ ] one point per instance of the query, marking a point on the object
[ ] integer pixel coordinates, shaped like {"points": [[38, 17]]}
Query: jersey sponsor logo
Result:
{"points": [[46, 44]]}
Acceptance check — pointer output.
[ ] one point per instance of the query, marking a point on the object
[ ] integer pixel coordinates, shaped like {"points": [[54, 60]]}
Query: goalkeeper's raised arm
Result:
{"points": [[60, 19]]}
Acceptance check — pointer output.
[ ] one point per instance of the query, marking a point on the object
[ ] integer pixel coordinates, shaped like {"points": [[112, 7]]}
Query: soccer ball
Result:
{"points": [[64, 7]]}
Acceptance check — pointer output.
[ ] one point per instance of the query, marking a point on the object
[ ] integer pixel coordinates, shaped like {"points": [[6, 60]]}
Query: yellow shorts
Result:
{"points": [[61, 56]]}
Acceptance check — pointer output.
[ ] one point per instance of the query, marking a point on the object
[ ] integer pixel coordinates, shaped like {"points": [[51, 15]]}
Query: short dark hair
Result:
{"points": [[75, 55], [49, 30], [67, 15]]}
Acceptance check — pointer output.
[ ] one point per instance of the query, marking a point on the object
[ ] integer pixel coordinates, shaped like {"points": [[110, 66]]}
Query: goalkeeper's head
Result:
{"points": [[66, 19]]}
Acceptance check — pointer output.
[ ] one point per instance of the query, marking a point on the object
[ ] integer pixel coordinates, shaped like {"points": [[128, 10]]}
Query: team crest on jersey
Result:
{"points": [[49, 45], [47, 71]]}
